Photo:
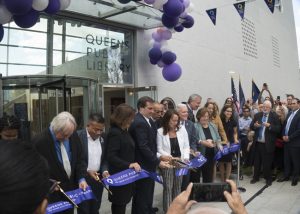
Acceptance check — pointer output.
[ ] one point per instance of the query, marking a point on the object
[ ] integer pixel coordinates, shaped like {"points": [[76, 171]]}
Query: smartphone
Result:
{"points": [[208, 192], [278, 98]]}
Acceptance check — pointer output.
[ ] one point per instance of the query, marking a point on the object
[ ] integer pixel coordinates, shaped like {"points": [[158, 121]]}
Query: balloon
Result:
{"points": [[190, 8], [166, 35], [156, 36], [156, 45], [173, 8], [169, 22], [40, 5], [124, 1], [53, 7], [18, 7], [64, 4], [149, 1], [186, 3], [179, 28], [27, 20], [155, 54], [153, 61], [160, 64], [1, 32], [168, 57], [188, 22], [5, 15], [172, 72]]}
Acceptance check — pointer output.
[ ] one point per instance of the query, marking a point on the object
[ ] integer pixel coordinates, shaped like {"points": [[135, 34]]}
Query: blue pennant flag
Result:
{"points": [[234, 147], [241, 96], [212, 13], [255, 92], [196, 162], [240, 7], [77, 196], [271, 5], [129, 176]]}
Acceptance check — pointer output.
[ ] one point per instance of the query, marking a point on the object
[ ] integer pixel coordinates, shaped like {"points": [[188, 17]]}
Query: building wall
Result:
{"points": [[207, 53]]}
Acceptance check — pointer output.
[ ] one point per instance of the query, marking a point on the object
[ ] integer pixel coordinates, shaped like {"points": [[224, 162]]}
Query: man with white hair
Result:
{"points": [[266, 126], [60, 145]]}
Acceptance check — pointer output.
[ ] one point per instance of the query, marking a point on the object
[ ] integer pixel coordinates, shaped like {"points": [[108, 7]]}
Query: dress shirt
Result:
{"points": [[264, 120], [95, 153], [244, 123], [289, 121], [57, 147]]}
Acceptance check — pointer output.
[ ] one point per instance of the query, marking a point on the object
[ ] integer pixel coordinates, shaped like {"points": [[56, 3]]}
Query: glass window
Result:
{"points": [[25, 70]]}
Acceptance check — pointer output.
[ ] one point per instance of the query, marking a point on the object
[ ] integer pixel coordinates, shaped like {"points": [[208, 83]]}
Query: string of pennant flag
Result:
{"points": [[240, 8]]}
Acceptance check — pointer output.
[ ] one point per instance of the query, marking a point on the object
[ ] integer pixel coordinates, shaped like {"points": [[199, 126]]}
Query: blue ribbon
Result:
{"points": [[234, 147], [129, 176], [196, 162], [77, 196]]}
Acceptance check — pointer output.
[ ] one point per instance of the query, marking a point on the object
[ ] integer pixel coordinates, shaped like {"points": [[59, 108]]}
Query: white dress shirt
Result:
{"points": [[95, 153]]}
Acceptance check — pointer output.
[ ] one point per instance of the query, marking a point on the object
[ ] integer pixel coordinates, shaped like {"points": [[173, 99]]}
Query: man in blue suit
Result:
{"points": [[94, 156], [143, 131], [291, 138]]}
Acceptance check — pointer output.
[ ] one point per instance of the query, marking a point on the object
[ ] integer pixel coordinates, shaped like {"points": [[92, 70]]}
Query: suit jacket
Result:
{"points": [[191, 115], [294, 130], [191, 130], [84, 140], [44, 144], [120, 154], [144, 137], [164, 146], [270, 132]]}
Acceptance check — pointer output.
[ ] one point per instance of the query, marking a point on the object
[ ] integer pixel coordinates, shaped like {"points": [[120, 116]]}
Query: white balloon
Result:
{"points": [[64, 4], [40, 5], [5, 15], [165, 49]]}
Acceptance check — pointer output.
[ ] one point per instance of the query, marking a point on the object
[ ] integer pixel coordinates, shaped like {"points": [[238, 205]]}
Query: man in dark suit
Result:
{"points": [[61, 147], [94, 150], [291, 138], [266, 126], [143, 131], [193, 104]]}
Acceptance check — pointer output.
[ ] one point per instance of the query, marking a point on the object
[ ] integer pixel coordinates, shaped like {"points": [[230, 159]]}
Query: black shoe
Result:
{"points": [[154, 210], [253, 181], [283, 179], [294, 181], [269, 182]]}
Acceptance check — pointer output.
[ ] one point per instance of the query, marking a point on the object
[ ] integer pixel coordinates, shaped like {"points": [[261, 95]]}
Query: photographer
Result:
{"points": [[269, 96], [182, 205]]}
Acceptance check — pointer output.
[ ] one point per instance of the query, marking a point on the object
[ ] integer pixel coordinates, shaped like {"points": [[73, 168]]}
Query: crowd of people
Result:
{"points": [[156, 137]]}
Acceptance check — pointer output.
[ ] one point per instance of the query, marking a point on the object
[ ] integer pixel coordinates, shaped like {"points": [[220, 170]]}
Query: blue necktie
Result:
{"points": [[263, 120]]}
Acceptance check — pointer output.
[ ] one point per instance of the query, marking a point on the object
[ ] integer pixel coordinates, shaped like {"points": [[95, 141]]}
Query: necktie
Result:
{"points": [[261, 129], [289, 123], [65, 159]]}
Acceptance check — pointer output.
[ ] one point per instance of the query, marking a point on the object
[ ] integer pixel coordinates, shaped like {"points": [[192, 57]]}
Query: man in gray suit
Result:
{"points": [[94, 156]]}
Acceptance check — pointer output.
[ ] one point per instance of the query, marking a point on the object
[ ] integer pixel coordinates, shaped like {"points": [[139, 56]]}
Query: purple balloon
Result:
{"points": [[186, 3], [169, 22], [53, 7], [172, 72], [168, 57], [166, 34], [160, 64], [156, 36], [1, 32], [27, 20], [18, 7], [155, 54], [153, 61], [188, 22], [173, 8], [149, 1], [124, 1], [179, 28], [156, 45]]}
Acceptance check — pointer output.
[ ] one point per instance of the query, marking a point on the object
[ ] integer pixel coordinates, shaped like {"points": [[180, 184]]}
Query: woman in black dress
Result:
{"points": [[230, 127], [120, 155]]}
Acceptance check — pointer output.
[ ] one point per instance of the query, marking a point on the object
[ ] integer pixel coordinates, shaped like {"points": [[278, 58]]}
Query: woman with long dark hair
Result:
{"points": [[172, 142], [121, 155]]}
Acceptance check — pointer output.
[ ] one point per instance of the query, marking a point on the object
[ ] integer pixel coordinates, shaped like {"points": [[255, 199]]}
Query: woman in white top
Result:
{"points": [[173, 143]]}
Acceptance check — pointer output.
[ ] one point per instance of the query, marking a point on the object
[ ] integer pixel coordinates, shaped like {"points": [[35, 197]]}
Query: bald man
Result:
{"points": [[266, 126]]}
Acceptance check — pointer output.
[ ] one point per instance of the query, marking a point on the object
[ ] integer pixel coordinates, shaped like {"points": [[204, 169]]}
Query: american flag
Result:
{"points": [[234, 97]]}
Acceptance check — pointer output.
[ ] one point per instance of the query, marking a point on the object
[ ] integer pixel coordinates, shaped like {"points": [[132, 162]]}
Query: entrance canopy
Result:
{"points": [[136, 14]]}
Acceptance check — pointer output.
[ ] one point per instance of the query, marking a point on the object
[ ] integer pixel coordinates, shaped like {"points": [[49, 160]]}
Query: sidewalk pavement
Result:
{"points": [[280, 198]]}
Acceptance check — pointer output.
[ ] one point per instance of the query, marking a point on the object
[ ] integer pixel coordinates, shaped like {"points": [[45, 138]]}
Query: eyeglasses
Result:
{"points": [[228, 111]]}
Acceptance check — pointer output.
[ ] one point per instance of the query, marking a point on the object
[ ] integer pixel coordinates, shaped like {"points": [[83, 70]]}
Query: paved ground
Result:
{"points": [[280, 198]]}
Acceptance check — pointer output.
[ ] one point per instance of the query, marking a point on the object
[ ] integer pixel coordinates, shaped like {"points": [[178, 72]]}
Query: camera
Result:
{"points": [[207, 192]]}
